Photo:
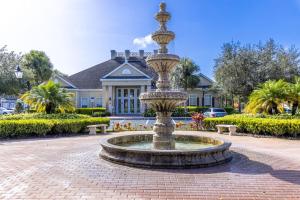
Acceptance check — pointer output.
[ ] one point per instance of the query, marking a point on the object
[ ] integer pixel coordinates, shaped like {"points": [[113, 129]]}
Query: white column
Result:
{"points": [[110, 98], [148, 88], [142, 106]]}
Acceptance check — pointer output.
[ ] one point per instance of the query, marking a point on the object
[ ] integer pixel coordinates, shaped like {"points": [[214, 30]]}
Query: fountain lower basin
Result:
{"points": [[190, 151]]}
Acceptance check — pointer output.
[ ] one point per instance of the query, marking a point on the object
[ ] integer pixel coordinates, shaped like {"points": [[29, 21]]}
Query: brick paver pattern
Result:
{"points": [[70, 168]]}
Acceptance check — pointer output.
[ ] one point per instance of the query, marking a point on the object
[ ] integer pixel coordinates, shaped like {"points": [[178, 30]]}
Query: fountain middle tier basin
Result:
{"points": [[190, 151]]}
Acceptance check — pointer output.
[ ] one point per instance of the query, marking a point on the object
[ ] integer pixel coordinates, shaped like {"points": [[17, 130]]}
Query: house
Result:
{"points": [[117, 83]]}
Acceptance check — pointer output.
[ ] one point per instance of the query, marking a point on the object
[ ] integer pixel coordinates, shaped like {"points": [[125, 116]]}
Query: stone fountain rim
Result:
{"points": [[225, 144]]}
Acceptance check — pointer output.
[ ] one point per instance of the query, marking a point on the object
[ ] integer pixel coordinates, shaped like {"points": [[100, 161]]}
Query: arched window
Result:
{"points": [[126, 71]]}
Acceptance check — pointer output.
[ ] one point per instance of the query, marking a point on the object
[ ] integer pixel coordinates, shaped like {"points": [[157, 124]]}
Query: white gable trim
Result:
{"points": [[125, 63], [67, 82]]}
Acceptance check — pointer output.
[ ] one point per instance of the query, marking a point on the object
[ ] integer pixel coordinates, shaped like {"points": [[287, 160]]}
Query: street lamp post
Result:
{"points": [[18, 72], [19, 75]]}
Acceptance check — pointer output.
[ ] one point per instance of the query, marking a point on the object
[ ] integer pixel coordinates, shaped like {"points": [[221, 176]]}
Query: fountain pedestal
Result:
{"points": [[163, 128]]}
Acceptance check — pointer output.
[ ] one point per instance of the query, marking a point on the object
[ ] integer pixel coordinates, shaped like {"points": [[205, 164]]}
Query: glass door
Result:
{"points": [[128, 100]]}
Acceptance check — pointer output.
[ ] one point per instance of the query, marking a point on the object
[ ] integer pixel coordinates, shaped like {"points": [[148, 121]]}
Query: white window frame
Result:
{"points": [[193, 97], [205, 100], [87, 101]]}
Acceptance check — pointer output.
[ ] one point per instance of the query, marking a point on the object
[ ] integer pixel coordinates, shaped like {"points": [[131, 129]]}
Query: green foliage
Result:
{"points": [[90, 111], [269, 98], [43, 116], [186, 75], [240, 69], [42, 127], [19, 108], [187, 111], [40, 65], [255, 125], [49, 98], [9, 84]]}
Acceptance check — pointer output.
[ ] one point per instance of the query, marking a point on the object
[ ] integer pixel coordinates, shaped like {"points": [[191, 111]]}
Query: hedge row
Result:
{"points": [[43, 116], [263, 126], [43, 127], [186, 111], [91, 111]]}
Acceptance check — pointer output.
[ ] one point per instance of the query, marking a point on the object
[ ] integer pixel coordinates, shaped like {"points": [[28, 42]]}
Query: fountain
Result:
{"points": [[163, 148]]}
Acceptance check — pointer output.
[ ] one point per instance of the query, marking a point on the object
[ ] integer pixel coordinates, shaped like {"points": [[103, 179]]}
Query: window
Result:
{"points": [[207, 100], [98, 102], [84, 102], [126, 72], [193, 100]]}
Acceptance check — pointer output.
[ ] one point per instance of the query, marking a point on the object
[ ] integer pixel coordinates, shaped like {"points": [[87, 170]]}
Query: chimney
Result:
{"points": [[155, 52], [127, 54], [141, 53], [113, 54]]}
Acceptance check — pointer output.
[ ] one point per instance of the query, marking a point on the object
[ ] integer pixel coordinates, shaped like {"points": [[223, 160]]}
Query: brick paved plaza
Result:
{"points": [[69, 168]]}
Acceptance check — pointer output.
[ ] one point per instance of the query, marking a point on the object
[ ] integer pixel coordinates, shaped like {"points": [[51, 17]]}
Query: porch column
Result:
{"points": [[142, 106], [110, 99]]}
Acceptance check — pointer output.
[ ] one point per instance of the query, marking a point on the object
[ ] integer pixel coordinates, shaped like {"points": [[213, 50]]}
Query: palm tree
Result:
{"points": [[269, 98], [186, 74], [294, 94], [49, 98]]}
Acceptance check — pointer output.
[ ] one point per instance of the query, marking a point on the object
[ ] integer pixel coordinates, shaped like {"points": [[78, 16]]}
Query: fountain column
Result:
{"points": [[163, 100]]}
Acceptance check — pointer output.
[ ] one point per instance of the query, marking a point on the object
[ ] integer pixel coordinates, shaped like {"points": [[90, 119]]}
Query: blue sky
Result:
{"points": [[77, 34]]}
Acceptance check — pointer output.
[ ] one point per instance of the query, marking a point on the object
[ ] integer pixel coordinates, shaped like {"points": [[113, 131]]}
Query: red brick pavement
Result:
{"points": [[69, 168]]}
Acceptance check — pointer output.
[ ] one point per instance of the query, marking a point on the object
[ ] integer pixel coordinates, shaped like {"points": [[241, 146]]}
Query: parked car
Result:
{"points": [[215, 112], [4, 111]]}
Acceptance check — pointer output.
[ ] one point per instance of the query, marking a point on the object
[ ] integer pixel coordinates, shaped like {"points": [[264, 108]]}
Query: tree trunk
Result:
{"points": [[50, 108], [294, 107]]}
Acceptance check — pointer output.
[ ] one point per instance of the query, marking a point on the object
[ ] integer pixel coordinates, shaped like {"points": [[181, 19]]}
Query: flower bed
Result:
{"points": [[256, 125], [42, 125]]}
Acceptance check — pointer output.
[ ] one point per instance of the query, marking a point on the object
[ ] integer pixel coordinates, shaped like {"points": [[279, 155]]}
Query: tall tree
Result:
{"points": [[40, 65], [8, 62], [240, 69], [186, 74]]}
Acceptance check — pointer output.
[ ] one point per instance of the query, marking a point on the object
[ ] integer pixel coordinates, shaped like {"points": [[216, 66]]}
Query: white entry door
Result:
{"points": [[128, 100]]}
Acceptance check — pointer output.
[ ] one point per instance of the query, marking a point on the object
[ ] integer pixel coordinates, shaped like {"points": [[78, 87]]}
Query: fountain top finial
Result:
{"points": [[163, 36], [162, 7]]}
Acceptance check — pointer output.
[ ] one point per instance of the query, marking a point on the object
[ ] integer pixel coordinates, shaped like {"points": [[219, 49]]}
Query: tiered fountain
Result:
{"points": [[164, 149]]}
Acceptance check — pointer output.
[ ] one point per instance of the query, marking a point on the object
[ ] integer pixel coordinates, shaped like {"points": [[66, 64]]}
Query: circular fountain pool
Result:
{"points": [[190, 151]]}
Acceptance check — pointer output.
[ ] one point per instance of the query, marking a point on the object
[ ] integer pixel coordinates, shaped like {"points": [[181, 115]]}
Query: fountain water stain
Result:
{"points": [[134, 149]]}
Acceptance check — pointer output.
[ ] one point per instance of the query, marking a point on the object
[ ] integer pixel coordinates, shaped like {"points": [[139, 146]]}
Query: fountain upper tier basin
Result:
{"points": [[163, 100], [129, 150], [163, 62]]}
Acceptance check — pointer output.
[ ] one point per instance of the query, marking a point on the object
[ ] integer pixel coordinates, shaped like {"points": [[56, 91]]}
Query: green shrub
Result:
{"points": [[23, 128], [43, 116], [42, 127], [230, 110], [101, 114], [89, 111], [76, 126], [149, 113], [250, 124]]}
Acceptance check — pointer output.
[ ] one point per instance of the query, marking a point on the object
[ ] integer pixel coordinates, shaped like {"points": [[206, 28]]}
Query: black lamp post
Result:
{"points": [[19, 75], [18, 72]]}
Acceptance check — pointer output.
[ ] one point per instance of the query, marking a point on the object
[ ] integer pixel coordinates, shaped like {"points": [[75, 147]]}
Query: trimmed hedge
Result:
{"points": [[89, 111], [187, 111], [265, 126], [43, 127], [43, 116]]}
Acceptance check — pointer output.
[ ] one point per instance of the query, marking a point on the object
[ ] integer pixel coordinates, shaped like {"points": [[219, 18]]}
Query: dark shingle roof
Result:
{"points": [[90, 78]]}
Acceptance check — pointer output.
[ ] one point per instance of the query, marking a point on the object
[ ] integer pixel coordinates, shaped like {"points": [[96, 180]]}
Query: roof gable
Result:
{"points": [[63, 81], [126, 70]]}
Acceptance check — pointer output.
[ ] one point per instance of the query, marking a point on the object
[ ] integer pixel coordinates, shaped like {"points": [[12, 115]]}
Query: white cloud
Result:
{"points": [[143, 42]]}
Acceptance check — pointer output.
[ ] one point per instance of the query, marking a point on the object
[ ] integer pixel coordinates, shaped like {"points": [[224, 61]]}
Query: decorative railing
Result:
{"points": [[134, 54]]}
